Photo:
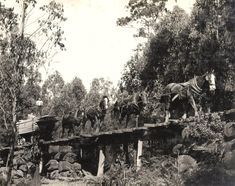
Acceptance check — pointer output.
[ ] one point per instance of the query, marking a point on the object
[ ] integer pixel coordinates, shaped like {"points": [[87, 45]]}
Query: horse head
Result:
{"points": [[142, 100], [210, 79], [104, 103]]}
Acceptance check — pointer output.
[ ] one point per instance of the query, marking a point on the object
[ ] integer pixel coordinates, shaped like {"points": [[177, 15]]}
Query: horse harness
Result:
{"points": [[189, 88]]}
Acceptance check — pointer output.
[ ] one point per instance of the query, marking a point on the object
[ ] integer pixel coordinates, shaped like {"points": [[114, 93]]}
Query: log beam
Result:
{"points": [[139, 154], [100, 171]]}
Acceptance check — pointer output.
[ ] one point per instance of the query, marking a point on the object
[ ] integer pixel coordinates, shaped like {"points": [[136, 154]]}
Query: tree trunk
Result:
{"points": [[14, 135]]}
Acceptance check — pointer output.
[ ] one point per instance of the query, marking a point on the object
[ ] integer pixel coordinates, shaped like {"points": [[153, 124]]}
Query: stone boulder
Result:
{"points": [[27, 155], [65, 166], [52, 165], [186, 164], [65, 174], [229, 160], [54, 174], [58, 156], [229, 130], [70, 157], [19, 161], [77, 167], [17, 174], [229, 146], [23, 168]]}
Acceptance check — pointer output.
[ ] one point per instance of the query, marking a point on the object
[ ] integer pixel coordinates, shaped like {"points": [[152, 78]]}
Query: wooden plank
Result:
{"points": [[149, 125], [139, 154], [100, 171]]}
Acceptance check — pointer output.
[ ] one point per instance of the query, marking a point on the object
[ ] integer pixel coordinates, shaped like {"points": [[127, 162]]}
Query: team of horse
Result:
{"points": [[95, 115], [174, 95]]}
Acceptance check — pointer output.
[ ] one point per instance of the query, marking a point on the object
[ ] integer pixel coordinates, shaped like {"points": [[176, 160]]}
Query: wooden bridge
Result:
{"points": [[136, 136], [99, 142]]}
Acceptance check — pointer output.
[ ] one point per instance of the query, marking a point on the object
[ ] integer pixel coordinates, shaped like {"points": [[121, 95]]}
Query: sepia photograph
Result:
{"points": [[117, 92]]}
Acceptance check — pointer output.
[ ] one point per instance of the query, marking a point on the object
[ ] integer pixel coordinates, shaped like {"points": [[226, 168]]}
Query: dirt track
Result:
{"points": [[62, 183]]}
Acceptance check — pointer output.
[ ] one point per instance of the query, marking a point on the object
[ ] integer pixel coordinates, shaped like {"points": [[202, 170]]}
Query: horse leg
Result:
{"points": [[137, 121], [122, 116], [93, 124], [167, 117], [167, 109], [62, 135], [127, 119], [193, 104], [72, 130], [63, 131], [98, 122], [185, 111]]}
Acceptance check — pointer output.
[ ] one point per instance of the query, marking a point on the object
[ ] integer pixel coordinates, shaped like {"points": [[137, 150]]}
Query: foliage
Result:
{"points": [[203, 140], [208, 129], [99, 87], [20, 57], [72, 96], [51, 91], [31, 92], [168, 51], [60, 98], [156, 170], [181, 46], [143, 15]]}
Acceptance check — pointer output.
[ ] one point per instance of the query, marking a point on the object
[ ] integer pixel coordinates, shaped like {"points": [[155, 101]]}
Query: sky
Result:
{"points": [[95, 46]]}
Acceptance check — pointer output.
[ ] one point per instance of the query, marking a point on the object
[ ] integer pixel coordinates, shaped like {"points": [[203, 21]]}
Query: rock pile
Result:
{"points": [[23, 165], [63, 162]]}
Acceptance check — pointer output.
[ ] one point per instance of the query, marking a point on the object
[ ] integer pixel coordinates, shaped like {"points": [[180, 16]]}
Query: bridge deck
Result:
{"points": [[149, 131]]}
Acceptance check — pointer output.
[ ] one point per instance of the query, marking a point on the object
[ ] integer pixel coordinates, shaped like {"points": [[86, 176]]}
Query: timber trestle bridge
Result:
{"points": [[96, 143], [125, 137]]}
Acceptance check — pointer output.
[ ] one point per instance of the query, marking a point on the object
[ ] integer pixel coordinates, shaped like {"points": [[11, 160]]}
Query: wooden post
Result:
{"points": [[135, 147], [100, 171], [125, 148], [139, 154], [81, 152]]}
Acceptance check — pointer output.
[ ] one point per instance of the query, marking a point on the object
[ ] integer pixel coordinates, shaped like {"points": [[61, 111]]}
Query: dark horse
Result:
{"points": [[132, 104], [96, 114], [70, 122], [187, 91]]}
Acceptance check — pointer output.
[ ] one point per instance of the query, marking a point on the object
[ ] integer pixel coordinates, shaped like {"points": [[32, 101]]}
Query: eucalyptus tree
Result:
{"points": [[99, 87], [167, 53], [69, 99], [21, 56], [143, 15], [51, 91]]}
